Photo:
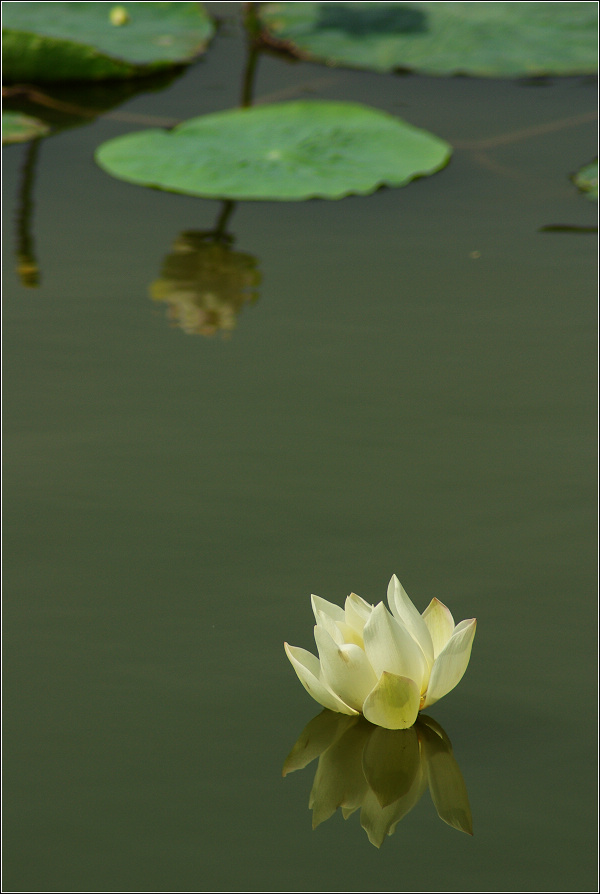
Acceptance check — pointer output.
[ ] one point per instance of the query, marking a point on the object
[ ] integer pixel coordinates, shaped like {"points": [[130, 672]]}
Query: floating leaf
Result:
{"points": [[19, 128], [586, 179], [289, 151], [481, 39], [92, 41]]}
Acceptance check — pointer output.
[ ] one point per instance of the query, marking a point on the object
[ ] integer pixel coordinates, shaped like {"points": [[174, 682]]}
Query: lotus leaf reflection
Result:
{"points": [[382, 772], [387, 665]]}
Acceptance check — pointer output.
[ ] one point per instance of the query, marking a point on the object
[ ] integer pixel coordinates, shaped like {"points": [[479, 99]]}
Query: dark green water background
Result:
{"points": [[413, 393]]}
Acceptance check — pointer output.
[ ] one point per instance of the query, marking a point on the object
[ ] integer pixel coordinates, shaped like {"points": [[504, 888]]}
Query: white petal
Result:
{"points": [[327, 623], [393, 703], [357, 612], [308, 669], [338, 630], [405, 612], [350, 635], [440, 624], [464, 624], [345, 669], [452, 662], [390, 647], [334, 611], [333, 619]]}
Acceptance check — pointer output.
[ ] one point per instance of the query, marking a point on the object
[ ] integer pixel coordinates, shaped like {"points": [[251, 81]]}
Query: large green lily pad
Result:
{"points": [[287, 151], [481, 39], [92, 41], [19, 128]]}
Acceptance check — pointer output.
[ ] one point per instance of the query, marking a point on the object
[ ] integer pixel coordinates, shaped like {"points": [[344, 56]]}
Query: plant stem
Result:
{"points": [[27, 266], [252, 51]]}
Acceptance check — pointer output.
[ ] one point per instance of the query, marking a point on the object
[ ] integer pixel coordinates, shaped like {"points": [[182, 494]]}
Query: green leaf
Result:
{"points": [[586, 179], [91, 41], [289, 151], [481, 39], [18, 128]]}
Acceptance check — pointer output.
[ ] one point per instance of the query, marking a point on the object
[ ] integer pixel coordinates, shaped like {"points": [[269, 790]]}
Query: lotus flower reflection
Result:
{"points": [[383, 773], [387, 666]]}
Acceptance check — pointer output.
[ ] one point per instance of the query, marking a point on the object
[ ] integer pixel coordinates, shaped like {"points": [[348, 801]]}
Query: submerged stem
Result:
{"points": [[27, 266]]}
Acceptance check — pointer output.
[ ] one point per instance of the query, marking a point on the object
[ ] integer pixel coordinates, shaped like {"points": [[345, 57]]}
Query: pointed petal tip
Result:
{"points": [[463, 823]]}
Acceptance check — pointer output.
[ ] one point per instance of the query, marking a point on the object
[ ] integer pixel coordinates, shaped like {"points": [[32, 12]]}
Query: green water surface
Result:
{"points": [[412, 392]]}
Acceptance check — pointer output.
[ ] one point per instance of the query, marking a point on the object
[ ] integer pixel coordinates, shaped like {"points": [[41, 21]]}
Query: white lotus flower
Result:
{"points": [[385, 666]]}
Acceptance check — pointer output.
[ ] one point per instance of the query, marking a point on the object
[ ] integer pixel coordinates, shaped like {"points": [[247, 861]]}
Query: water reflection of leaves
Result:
{"points": [[57, 108], [383, 772], [206, 284], [65, 105]]}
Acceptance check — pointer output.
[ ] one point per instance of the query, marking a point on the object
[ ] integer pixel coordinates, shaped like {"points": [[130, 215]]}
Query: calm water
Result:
{"points": [[412, 393]]}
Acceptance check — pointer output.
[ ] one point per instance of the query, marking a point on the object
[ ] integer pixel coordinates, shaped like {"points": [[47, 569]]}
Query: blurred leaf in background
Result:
{"points": [[55, 41], [479, 39]]}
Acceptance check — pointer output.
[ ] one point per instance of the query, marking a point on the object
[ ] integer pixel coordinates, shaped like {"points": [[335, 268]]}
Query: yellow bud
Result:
{"points": [[118, 16]]}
